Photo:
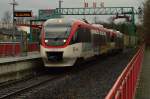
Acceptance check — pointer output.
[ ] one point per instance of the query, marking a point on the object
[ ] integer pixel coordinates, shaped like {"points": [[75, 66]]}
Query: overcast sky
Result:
{"points": [[35, 5]]}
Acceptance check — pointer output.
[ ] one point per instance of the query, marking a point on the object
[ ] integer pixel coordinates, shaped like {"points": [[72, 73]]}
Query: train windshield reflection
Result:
{"points": [[57, 32], [56, 35]]}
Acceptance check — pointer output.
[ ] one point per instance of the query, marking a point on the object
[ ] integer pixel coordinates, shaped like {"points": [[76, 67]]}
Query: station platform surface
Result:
{"points": [[29, 55], [143, 90]]}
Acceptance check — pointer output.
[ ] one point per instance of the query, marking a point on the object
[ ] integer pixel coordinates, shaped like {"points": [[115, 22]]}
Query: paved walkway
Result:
{"points": [[143, 90], [30, 55]]}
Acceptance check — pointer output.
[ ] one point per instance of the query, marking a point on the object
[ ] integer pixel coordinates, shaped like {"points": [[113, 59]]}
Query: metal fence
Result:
{"points": [[125, 86], [6, 25], [9, 49], [16, 48]]}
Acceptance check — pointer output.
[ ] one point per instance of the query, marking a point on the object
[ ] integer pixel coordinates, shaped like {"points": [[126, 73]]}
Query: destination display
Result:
{"points": [[22, 13], [47, 13]]}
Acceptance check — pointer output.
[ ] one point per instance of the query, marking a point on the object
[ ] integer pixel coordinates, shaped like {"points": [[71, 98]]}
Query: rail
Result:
{"points": [[125, 86]]}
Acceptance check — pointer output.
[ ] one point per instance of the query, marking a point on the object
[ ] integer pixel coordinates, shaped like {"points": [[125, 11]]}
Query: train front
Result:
{"points": [[55, 49]]}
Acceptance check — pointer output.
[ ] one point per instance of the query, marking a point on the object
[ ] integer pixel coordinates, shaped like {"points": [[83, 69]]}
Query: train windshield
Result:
{"points": [[56, 35]]}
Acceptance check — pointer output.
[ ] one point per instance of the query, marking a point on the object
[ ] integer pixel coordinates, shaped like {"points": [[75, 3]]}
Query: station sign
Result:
{"points": [[47, 13], [23, 13]]}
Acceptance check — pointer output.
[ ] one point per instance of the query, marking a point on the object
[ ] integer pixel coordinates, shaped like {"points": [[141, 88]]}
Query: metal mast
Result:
{"points": [[14, 3], [60, 3]]}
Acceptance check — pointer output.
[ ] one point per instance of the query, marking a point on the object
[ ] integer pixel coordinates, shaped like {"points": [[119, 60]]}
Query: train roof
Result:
{"points": [[68, 21], [98, 25], [71, 21]]}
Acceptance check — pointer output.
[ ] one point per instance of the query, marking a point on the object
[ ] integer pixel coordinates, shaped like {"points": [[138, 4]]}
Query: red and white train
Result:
{"points": [[64, 41]]}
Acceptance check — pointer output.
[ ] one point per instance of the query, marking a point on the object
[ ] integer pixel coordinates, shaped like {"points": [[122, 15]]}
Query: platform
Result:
{"points": [[143, 90], [18, 67], [30, 55]]}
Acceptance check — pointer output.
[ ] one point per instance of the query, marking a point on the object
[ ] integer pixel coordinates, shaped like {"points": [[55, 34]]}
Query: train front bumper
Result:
{"points": [[65, 62]]}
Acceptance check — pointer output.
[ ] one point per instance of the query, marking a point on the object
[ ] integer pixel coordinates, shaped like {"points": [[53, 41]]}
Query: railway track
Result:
{"points": [[9, 91], [65, 84], [17, 88], [92, 80]]}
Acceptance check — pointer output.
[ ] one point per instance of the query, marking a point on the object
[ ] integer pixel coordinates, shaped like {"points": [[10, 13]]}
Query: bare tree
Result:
{"points": [[147, 21], [6, 17], [111, 19]]}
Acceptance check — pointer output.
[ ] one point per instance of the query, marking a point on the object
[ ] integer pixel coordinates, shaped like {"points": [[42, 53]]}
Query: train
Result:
{"points": [[64, 41]]}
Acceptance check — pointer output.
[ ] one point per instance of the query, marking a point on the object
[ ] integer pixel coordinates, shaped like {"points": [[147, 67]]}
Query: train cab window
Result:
{"points": [[74, 39], [56, 34]]}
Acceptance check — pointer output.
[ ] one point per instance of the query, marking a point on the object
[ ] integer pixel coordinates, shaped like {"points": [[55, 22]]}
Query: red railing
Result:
{"points": [[14, 48], [9, 48], [34, 46], [125, 86]]}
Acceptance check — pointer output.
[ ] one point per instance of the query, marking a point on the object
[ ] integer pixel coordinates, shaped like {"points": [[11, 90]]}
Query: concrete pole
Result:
{"points": [[60, 3], [94, 6], [14, 3], [84, 9], [13, 20]]}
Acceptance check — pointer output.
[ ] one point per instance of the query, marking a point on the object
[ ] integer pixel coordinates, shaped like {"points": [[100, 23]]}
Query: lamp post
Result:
{"points": [[60, 3], [94, 6], [85, 6], [14, 3]]}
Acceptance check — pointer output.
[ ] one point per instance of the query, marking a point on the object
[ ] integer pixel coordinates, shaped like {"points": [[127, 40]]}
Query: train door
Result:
{"points": [[112, 39], [103, 44], [96, 41]]}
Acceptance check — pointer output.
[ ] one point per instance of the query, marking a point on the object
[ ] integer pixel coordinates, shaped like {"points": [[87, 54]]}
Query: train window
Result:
{"points": [[96, 39], [87, 35], [74, 39], [108, 36], [75, 36], [83, 35], [56, 35], [112, 39], [57, 31], [103, 38]]}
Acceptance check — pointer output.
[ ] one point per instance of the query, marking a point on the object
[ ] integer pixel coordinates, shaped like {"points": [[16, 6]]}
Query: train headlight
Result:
{"points": [[46, 41], [60, 21], [64, 41]]}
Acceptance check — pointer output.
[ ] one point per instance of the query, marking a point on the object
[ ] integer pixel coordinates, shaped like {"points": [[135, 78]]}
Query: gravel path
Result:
{"points": [[143, 90]]}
